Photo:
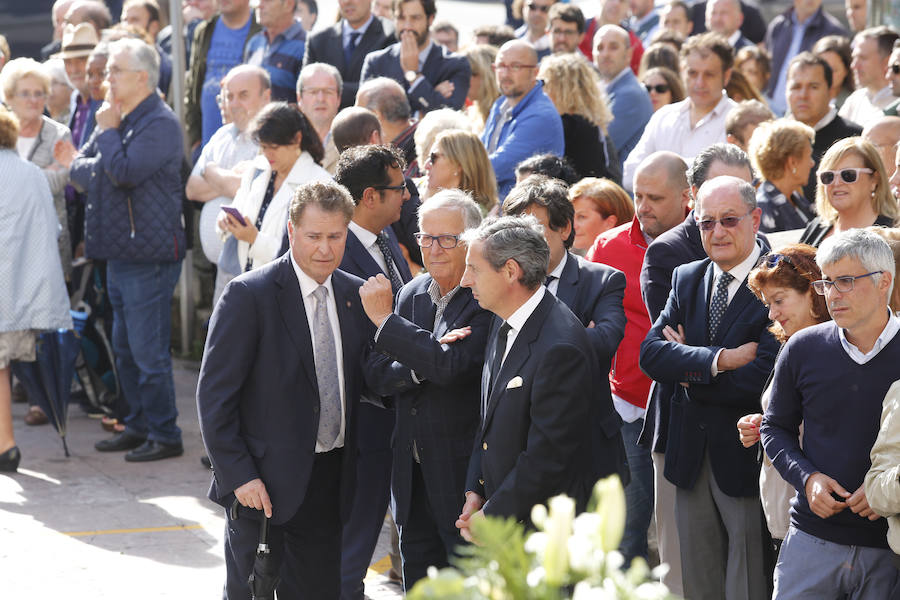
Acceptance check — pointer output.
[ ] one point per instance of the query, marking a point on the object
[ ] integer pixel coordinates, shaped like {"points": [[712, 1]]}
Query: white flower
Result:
{"points": [[584, 591], [536, 542], [611, 508], [558, 527]]}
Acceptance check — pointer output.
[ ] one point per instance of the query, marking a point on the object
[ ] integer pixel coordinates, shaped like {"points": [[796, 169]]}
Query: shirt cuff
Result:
{"points": [[378, 331], [415, 378], [416, 82], [713, 370]]}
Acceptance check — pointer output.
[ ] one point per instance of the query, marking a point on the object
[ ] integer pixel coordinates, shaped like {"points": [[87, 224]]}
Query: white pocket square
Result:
{"points": [[514, 382]]}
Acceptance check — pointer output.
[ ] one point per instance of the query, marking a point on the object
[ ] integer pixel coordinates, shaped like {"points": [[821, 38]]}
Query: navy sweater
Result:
{"points": [[839, 403]]}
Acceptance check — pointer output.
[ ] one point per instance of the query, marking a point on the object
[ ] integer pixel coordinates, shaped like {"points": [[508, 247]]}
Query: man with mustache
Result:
{"points": [[432, 76]]}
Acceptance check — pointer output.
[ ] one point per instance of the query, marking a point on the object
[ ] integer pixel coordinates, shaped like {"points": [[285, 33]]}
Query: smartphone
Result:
{"points": [[236, 214]]}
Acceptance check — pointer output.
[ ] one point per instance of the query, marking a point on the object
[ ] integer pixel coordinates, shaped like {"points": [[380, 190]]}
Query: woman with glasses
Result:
{"points": [[664, 86], [781, 151], [783, 282], [852, 191], [290, 155], [573, 86], [458, 160]]}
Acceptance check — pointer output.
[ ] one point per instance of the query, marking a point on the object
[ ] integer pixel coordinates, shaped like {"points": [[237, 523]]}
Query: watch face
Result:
{"points": [[411, 76]]}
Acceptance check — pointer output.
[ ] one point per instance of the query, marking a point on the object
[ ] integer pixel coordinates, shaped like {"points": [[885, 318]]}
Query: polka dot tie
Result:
{"points": [[719, 303]]}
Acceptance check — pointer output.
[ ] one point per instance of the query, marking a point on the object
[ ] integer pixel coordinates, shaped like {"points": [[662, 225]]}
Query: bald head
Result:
{"points": [[884, 135], [519, 50], [661, 192], [669, 163], [355, 126], [612, 51]]}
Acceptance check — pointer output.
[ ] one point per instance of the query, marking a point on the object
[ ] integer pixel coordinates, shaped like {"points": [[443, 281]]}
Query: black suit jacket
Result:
{"points": [[327, 46], [441, 65], [535, 440], [258, 398], [595, 292], [703, 415], [753, 27], [442, 412]]}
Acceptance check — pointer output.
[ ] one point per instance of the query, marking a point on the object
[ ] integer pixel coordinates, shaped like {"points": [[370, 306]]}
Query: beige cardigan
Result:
{"points": [[882, 484]]}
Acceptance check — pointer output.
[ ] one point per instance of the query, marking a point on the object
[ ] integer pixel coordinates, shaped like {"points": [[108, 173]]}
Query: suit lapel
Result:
{"points": [[432, 61], [423, 310], [741, 299], [697, 327], [290, 304], [568, 281], [454, 308], [518, 353], [346, 296], [360, 257]]}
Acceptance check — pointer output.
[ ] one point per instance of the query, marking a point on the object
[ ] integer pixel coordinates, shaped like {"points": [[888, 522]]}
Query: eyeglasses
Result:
{"points": [[445, 241], [846, 175], [116, 71], [25, 95], [726, 222], [659, 88], [396, 188], [515, 67], [533, 6], [895, 69], [842, 284]]}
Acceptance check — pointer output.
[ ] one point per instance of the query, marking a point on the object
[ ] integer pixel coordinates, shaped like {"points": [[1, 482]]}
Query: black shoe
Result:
{"points": [[151, 450], [9, 460], [19, 395], [204, 460], [119, 442]]}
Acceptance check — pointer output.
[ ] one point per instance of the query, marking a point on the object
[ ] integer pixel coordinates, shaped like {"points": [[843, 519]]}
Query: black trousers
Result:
{"points": [[308, 546], [423, 541]]}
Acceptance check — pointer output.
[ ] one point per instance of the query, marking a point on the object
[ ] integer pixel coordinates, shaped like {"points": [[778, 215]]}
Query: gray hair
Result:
{"points": [[319, 67], [142, 56], [329, 196], [453, 199], [514, 238], [386, 97], [728, 154], [868, 248], [746, 191]]}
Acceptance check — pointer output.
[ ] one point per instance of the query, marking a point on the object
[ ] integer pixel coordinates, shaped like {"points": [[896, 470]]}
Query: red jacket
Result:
{"points": [[623, 248]]}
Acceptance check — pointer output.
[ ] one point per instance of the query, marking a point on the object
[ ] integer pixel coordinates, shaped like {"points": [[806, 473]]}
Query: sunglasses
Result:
{"points": [[842, 284], [846, 175], [533, 6], [895, 69], [771, 261], [726, 222], [659, 88], [433, 157]]}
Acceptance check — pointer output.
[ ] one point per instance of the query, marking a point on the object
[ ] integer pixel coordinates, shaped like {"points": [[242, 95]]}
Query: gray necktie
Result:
{"points": [[719, 303], [326, 371]]}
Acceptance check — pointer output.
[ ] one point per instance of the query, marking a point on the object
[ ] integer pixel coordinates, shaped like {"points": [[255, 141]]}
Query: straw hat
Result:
{"points": [[77, 41]]}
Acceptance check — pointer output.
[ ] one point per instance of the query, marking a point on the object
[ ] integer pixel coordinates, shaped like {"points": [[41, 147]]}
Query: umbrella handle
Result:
{"points": [[263, 546]]}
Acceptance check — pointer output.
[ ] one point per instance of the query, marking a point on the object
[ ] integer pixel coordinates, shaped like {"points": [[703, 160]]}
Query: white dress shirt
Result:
{"points": [[307, 286], [517, 320], [370, 242], [887, 334], [670, 129], [556, 274], [863, 107], [740, 273]]}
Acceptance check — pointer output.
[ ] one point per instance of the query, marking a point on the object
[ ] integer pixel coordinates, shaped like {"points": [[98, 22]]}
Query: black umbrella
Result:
{"points": [[264, 578], [48, 379]]}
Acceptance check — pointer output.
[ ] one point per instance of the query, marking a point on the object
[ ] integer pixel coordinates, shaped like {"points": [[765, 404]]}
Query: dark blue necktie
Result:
{"points": [[351, 46]]}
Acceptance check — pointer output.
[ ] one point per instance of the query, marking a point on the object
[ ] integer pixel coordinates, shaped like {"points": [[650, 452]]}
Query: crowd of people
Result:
{"points": [[451, 278]]}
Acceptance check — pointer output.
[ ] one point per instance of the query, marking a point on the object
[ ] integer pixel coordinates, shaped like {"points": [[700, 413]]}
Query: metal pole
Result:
{"points": [[177, 91]]}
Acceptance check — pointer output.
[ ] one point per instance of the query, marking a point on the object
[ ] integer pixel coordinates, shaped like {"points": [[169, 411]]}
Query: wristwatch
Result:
{"points": [[411, 75]]}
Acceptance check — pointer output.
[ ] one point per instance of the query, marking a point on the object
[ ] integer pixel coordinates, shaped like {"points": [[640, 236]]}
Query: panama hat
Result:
{"points": [[77, 41]]}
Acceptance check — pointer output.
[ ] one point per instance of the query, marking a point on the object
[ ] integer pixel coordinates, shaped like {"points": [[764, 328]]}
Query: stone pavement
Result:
{"points": [[94, 526]]}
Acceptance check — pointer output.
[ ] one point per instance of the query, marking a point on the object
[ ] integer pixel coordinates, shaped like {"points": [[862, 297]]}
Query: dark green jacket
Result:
{"points": [[197, 73]]}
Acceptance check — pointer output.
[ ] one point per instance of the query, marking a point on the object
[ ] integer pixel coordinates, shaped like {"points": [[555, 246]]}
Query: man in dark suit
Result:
{"points": [[712, 344], [539, 372], [432, 76], [278, 395], [593, 292], [677, 246], [725, 17], [346, 43], [429, 356], [374, 177]]}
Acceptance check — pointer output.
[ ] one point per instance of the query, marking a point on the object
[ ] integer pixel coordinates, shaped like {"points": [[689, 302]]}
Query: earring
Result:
{"points": [[794, 170]]}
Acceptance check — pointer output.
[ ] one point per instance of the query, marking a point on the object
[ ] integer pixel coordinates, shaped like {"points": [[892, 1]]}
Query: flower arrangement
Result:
{"points": [[567, 557]]}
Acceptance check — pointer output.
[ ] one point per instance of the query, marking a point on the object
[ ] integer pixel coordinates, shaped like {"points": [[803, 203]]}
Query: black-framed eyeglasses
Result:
{"points": [[659, 88], [842, 284], [895, 69], [396, 188], [445, 241], [846, 175], [726, 222]]}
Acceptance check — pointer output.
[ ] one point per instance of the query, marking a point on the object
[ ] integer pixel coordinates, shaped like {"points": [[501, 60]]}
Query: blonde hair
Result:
{"points": [[19, 68], [773, 142], [607, 197], [883, 202], [476, 176], [9, 128], [432, 124], [574, 87], [481, 57]]}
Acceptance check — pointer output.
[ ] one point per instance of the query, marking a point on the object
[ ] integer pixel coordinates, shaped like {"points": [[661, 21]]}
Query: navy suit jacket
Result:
{"points": [[441, 413], [703, 415], [441, 65], [327, 46], [535, 440], [595, 292], [258, 396], [631, 108]]}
